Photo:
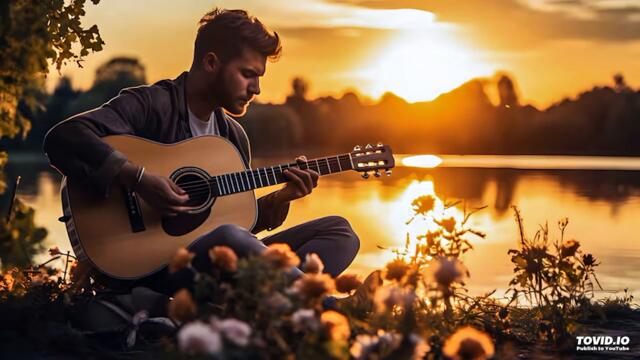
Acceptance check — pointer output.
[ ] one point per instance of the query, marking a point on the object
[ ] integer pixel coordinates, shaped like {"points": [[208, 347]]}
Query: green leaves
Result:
{"points": [[33, 33]]}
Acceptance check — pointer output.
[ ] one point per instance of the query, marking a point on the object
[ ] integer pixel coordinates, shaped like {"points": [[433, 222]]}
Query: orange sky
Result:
{"points": [[417, 49]]}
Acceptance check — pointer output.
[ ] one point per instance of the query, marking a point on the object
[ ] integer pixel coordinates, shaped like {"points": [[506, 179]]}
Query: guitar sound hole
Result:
{"points": [[197, 188]]}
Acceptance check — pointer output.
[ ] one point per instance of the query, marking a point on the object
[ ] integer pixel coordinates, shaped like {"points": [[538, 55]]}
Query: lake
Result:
{"points": [[600, 196]]}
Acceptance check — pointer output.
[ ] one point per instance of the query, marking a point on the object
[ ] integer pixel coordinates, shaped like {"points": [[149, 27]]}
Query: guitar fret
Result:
{"points": [[273, 170], [218, 184], [253, 176], [266, 176], [233, 186], [246, 176], [224, 183], [339, 166], [328, 166], [259, 177]]}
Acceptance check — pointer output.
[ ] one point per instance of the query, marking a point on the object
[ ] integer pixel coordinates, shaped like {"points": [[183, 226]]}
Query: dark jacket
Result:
{"points": [[156, 112]]}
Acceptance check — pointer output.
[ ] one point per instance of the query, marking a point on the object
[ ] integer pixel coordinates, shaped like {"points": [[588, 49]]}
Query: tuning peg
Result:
{"points": [[377, 173], [379, 144], [365, 175], [388, 172], [357, 148], [368, 146]]}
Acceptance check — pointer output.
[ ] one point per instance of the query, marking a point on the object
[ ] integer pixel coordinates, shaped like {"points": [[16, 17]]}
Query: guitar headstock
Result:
{"points": [[372, 158]]}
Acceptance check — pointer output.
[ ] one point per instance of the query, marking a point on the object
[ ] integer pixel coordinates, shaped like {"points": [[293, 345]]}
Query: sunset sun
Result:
{"points": [[421, 66]]}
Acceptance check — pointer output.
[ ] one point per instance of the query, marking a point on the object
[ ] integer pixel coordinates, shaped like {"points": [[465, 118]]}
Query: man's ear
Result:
{"points": [[211, 62]]}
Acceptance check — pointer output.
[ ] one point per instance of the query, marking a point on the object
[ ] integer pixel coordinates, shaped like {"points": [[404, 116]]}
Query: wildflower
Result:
{"points": [[280, 256], [304, 320], [396, 270], [448, 224], [40, 277], [313, 264], [569, 248], [199, 338], [7, 281], [236, 331], [363, 346], [224, 257], [390, 340], [182, 308], [468, 343], [562, 223], [423, 204], [420, 347], [278, 302], [446, 271], [181, 259], [336, 324], [312, 286], [347, 282], [386, 297], [54, 251], [588, 260]]}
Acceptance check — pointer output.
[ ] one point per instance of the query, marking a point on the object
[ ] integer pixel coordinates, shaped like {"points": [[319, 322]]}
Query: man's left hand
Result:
{"points": [[301, 182]]}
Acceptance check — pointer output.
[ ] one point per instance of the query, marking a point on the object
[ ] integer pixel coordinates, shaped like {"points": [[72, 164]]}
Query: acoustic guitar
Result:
{"points": [[125, 238]]}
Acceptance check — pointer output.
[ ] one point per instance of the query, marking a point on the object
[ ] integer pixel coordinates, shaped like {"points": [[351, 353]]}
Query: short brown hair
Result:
{"points": [[228, 32]]}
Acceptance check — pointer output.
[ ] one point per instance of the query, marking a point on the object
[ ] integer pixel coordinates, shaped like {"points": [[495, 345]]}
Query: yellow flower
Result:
{"points": [[446, 271], [313, 264], [336, 324], [224, 257], [468, 343], [448, 224], [182, 308], [312, 286], [569, 248], [347, 282], [280, 256], [423, 204], [386, 297], [181, 259], [54, 251], [396, 270]]}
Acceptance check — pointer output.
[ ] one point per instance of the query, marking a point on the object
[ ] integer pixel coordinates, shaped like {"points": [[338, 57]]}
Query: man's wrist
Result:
{"points": [[128, 175]]}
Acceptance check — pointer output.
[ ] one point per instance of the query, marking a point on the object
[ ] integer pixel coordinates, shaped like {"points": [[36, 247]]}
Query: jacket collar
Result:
{"points": [[221, 118]]}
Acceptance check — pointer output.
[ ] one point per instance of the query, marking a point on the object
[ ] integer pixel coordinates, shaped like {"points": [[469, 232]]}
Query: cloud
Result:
{"points": [[509, 24]]}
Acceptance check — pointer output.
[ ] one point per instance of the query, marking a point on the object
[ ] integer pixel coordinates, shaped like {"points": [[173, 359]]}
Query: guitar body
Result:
{"points": [[103, 231]]}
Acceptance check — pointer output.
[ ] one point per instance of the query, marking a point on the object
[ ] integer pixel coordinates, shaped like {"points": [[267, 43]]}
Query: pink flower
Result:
{"points": [[236, 331], [199, 338]]}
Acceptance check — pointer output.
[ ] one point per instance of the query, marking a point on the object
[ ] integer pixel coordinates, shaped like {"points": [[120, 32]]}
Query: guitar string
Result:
{"points": [[321, 162], [268, 171], [203, 185]]}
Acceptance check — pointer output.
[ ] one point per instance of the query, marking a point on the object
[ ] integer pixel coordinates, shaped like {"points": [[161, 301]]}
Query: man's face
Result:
{"points": [[238, 81]]}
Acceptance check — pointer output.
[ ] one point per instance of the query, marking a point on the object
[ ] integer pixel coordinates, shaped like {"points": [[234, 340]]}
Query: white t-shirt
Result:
{"points": [[199, 127]]}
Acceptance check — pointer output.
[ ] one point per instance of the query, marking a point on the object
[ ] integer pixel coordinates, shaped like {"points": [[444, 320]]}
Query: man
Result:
{"points": [[231, 49]]}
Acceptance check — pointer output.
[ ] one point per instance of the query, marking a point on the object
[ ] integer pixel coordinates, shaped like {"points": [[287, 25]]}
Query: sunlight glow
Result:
{"points": [[401, 212], [422, 161], [421, 64]]}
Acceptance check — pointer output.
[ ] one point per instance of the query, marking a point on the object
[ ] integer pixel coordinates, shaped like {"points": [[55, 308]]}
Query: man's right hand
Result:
{"points": [[159, 192]]}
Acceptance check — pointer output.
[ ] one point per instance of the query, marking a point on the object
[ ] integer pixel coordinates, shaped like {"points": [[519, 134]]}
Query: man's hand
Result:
{"points": [[300, 184], [158, 191]]}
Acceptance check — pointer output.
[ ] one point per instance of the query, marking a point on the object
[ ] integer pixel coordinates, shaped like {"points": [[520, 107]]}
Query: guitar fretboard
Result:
{"points": [[242, 181]]}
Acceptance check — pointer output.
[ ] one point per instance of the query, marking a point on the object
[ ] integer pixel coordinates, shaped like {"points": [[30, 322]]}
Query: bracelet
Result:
{"points": [[138, 177]]}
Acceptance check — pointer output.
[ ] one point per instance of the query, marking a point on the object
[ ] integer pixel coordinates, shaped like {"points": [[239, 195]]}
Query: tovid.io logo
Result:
{"points": [[603, 343]]}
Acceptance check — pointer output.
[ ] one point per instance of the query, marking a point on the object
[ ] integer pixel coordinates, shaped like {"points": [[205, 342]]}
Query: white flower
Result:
{"points": [[199, 338], [304, 319], [363, 346], [236, 331]]}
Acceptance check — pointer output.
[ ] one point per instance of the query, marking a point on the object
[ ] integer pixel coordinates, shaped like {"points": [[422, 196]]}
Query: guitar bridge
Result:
{"points": [[134, 211]]}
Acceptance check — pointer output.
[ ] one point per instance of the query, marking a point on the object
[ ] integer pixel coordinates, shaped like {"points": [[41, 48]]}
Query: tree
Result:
{"points": [[32, 33]]}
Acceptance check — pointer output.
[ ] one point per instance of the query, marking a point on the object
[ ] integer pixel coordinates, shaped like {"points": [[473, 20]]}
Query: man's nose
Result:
{"points": [[254, 87]]}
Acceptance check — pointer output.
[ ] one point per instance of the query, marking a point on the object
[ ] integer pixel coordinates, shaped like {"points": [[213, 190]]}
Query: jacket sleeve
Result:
{"points": [[270, 214], [75, 149]]}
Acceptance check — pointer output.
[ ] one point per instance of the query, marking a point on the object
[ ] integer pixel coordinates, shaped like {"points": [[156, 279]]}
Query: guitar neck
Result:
{"points": [[232, 183]]}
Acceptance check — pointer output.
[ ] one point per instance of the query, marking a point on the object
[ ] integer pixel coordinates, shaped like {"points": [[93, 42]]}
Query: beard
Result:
{"points": [[221, 91]]}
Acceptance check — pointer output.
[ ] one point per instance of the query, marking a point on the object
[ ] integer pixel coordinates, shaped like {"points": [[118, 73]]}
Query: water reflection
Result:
{"points": [[602, 207]]}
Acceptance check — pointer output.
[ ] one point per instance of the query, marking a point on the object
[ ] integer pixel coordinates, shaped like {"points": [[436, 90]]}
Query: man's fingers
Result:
{"points": [[314, 177], [294, 177], [177, 189]]}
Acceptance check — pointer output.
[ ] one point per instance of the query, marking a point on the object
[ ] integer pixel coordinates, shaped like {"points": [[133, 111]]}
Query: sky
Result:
{"points": [[417, 49]]}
